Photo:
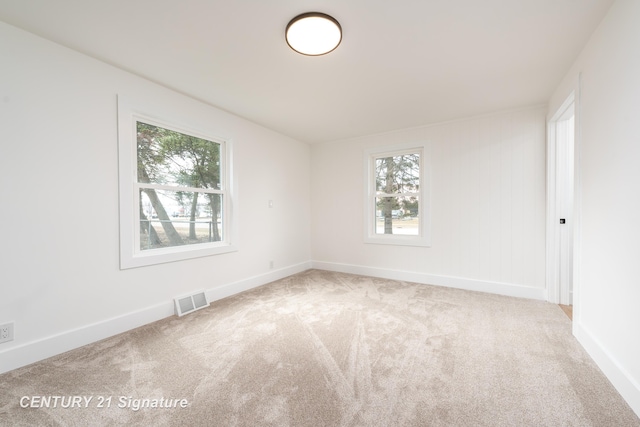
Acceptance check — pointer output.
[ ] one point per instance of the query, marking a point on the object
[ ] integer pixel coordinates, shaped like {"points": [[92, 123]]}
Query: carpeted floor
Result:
{"points": [[329, 349]]}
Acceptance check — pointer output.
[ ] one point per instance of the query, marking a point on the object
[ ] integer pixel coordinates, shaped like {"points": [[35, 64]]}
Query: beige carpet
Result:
{"points": [[329, 349]]}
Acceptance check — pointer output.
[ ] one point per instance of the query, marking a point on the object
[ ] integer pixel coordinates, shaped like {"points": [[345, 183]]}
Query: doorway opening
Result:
{"points": [[560, 204]]}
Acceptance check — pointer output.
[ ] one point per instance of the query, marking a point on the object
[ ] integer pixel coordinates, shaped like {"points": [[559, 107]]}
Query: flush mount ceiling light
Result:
{"points": [[313, 33]]}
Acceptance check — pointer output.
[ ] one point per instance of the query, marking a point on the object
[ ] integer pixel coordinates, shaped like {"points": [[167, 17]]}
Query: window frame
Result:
{"points": [[424, 217], [131, 112]]}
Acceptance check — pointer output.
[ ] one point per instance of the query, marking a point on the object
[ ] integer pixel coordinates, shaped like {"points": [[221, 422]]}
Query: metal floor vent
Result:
{"points": [[190, 303]]}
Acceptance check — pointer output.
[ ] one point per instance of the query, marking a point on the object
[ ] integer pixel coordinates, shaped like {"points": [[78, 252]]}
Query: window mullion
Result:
{"points": [[397, 194], [142, 185]]}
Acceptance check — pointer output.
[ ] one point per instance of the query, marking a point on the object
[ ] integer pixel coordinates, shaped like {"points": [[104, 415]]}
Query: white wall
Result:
{"points": [[607, 318], [487, 206], [60, 280], [59, 267]]}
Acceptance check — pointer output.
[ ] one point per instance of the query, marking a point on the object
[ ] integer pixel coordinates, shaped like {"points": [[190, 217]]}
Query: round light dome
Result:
{"points": [[313, 33]]}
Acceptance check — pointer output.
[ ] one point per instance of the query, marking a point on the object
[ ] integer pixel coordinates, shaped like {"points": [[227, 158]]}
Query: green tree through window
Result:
{"points": [[180, 190], [397, 193]]}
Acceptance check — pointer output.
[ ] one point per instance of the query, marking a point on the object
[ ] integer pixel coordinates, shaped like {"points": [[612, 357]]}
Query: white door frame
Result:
{"points": [[561, 143]]}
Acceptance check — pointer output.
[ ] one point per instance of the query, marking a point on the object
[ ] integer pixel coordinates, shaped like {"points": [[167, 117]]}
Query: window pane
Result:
{"points": [[398, 174], [177, 218], [397, 215], [168, 157]]}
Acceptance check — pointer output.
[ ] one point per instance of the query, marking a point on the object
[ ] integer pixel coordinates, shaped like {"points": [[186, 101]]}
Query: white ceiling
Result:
{"points": [[401, 63]]}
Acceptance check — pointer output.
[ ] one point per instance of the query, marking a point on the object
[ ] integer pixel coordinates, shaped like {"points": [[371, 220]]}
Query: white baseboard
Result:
{"points": [[499, 288], [253, 282], [44, 348], [628, 388], [624, 383], [35, 351]]}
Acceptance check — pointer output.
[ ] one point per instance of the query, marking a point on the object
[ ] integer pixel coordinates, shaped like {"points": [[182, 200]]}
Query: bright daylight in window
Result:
{"points": [[179, 188], [397, 197], [175, 191]]}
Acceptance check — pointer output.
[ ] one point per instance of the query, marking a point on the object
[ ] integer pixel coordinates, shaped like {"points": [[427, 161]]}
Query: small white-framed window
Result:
{"points": [[176, 188], [397, 196]]}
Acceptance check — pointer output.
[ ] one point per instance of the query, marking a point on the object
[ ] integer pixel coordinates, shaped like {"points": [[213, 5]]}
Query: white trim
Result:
{"points": [[230, 289], [622, 380], [129, 112], [554, 292], [43, 348], [174, 188], [499, 288], [53, 345], [577, 206]]}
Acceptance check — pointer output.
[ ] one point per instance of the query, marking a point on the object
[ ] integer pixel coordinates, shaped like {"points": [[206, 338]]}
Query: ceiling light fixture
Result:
{"points": [[313, 33]]}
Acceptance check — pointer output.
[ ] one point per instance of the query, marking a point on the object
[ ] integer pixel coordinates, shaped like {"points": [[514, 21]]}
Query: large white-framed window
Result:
{"points": [[175, 184], [397, 195]]}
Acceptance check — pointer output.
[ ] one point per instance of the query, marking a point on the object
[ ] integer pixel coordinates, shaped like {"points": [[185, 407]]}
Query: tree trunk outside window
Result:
{"points": [[387, 206]]}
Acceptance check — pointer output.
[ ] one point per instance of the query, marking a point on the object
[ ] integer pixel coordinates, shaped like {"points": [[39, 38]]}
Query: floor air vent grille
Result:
{"points": [[190, 303]]}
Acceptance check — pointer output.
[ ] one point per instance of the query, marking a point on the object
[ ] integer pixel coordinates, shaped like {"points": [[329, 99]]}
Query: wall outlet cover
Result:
{"points": [[6, 332]]}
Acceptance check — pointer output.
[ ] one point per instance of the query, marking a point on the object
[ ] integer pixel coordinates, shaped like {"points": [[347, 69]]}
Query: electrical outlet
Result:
{"points": [[6, 332]]}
